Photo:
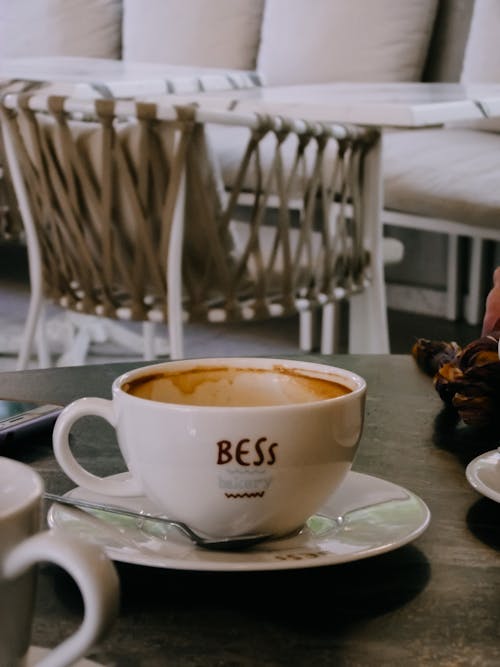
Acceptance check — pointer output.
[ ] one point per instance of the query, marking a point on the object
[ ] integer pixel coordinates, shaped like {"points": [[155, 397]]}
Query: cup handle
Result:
{"points": [[82, 407], [95, 576]]}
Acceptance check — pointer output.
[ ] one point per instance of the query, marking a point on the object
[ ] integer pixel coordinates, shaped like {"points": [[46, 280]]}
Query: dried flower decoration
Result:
{"points": [[467, 379]]}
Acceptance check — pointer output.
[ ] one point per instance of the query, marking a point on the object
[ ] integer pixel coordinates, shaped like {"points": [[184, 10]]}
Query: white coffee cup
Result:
{"points": [[228, 445], [22, 546]]}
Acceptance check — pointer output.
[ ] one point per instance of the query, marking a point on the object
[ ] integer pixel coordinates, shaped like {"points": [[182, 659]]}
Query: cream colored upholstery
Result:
{"points": [[482, 55], [448, 186], [454, 175], [446, 180], [217, 33], [90, 28], [338, 40]]}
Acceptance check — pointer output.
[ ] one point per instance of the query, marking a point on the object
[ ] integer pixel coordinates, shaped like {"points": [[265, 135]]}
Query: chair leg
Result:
{"points": [[307, 329], [42, 345], [330, 328], [474, 303], [452, 279], [174, 274], [176, 338], [32, 319], [87, 329], [148, 337], [76, 353], [368, 327], [151, 346]]}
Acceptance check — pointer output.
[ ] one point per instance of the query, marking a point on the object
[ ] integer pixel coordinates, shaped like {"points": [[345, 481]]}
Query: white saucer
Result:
{"points": [[36, 653], [483, 473], [365, 517]]}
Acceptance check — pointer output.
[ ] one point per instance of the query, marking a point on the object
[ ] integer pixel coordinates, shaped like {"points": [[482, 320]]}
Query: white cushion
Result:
{"points": [[211, 33], [60, 28], [482, 55], [344, 40], [451, 174]]}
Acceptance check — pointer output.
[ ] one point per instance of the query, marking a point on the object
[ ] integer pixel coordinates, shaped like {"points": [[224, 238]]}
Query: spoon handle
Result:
{"points": [[113, 509], [233, 543], [123, 511]]}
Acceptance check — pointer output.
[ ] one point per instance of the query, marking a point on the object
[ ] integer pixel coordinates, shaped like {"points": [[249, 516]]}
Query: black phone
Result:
{"points": [[21, 419]]}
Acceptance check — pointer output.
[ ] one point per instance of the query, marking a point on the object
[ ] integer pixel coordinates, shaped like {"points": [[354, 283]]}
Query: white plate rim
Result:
{"points": [[473, 469], [197, 559]]}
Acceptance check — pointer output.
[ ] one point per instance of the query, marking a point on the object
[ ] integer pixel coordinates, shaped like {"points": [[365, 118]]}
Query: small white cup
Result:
{"points": [[230, 445], [22, 546]]}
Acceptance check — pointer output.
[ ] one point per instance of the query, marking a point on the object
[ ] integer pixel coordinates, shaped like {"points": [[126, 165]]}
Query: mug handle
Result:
{"points": [[95, 576], [83, 407]]}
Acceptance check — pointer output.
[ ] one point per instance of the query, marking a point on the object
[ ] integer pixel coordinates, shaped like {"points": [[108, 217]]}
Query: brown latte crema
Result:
{"points": [[239, 387]]}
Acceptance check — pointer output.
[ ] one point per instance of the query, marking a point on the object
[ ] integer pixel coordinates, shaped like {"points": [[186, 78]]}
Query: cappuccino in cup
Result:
{"points": [[230, 446], [235, 386]]}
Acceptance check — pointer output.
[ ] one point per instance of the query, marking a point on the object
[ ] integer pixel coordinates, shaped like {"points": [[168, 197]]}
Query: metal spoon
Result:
{"points": [[236, 543]]}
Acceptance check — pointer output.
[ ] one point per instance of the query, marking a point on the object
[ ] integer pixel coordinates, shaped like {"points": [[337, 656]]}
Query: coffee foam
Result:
{"points": [[228, 386]]}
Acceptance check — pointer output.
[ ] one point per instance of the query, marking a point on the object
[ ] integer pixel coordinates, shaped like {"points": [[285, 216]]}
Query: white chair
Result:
{"points": [[445, 181], [83, 212], [126, 218]]}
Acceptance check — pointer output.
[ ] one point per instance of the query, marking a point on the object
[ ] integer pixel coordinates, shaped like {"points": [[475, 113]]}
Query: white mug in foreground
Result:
{"points": [[21, 548], [228, 445]]}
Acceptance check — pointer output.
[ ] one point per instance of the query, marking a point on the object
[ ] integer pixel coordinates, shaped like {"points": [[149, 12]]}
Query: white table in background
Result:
{"points": [[402, 105], [120, 78]]}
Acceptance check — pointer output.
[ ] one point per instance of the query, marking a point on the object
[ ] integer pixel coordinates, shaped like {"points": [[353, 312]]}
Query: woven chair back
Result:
{"points": [[104, 179], [299, 241]]}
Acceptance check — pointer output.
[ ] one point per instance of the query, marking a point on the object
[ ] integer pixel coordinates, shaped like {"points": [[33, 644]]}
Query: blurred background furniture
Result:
{"points": [[389, 106], [282, 40], [75, 256], [450, 185], [126, 217], [288, 44], [88, 77]]}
